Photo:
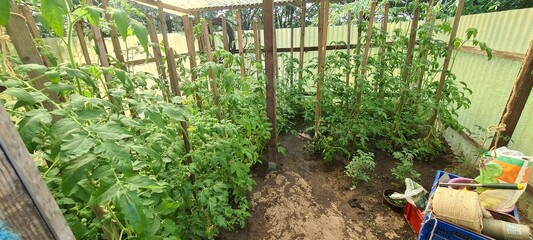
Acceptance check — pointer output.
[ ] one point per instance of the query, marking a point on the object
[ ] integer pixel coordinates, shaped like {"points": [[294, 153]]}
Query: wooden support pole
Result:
{"points": [[36, 34], [348, 43], [302, 44], [200, 40], [225, 39], [212, 37], [360, 20], [384, 23], [241, 42], [83, 43], [323, 17], [162, 21], [114, 37], [292, 56], [270, 71], [411, 46], [158, 56], [446, 63], [214, 86], [189, 36], [172, 72], [425, 51], [28, 53], [517, 99], [257, 46], [27, 206], [368, 38]]}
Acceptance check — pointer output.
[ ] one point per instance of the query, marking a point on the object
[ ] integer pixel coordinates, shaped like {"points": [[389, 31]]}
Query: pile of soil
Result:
{"points": [[307, 198]]}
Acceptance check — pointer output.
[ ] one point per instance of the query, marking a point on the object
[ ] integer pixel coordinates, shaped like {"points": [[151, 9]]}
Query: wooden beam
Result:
{"points": [[519, 57], [270, 71], [27, 205], [158, 56], [257, 46], [348, 43], [20, 36], [225, 39], [241, 42], [83, 43], [302, 44], [154, 4], [446, 63], [189, 36], [213, 81], [323, 17], [114, 37], [36, 34], [517, 99]]}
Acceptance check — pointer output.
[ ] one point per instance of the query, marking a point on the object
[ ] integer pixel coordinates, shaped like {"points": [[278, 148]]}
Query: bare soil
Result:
{"points": [[307, 198]]}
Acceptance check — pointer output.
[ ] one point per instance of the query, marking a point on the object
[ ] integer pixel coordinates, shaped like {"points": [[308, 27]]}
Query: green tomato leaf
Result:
{"points": [[107, 191], [110, 131], [130, 205], [58, 87], [54, 12], [31, 125], [94, 15], [141, 33], [76, 172], [63, 128], [118, 156], [5, 6], [25, 68], [75, 146], [53, 76], [121, 20], [21, 95]]}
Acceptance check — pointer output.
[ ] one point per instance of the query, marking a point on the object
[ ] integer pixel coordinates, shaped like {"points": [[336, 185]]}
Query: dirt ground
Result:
{"points": [[308, 199]]}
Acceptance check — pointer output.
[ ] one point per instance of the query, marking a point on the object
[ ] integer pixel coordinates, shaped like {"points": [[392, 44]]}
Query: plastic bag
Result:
{"points": [[414, 194], [502, 166]]}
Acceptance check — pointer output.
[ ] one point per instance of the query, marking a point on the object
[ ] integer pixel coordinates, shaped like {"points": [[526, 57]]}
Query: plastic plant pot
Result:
{"points": [[396, 205]]}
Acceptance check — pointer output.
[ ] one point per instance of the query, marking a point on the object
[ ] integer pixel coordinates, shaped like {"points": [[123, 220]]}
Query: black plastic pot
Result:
{"points": [[393, 205]]}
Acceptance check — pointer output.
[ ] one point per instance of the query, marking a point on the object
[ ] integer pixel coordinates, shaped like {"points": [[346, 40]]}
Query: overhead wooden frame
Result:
{"points": [[234, 5]]}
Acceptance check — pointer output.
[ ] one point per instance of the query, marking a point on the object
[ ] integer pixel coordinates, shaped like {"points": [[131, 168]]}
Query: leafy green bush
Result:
{"points": [[358, 168], [405, 168]]}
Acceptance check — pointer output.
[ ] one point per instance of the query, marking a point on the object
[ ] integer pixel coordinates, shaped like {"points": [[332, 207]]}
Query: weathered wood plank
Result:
{"points": [[25, 202], [270, 70]]}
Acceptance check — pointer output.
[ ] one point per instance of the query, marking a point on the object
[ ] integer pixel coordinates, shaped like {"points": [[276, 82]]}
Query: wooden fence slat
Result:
{"points": [[241, 42], [27, 205], [270, 71], [114, 37], [83, 43], [209, 56], [20, 36]]}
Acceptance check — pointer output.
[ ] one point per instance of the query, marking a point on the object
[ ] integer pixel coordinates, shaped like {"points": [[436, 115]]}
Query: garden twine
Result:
{"points": [[459, 207]]}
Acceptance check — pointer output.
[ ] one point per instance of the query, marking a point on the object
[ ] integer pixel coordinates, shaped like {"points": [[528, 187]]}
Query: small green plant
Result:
{"points": [[358, 168], [405, 168]]}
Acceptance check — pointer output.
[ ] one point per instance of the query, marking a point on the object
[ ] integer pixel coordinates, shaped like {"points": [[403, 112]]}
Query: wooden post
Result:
{"points": [[241, 42], [212, 37], [20, 36], [292, 56], [517, 99], [270, 70], [172, 72], [189, 36], [425, 51], [83, 43], [102, 55], [214, 87], [162, 21], [364, 61], [158, 56], [359, 32], [382, 49], [114, 37], [36, 34], [411, 46], [200, 40], [348, 43], [446, 63], [225, 39], [256, 41], [27, 206], [302, 44], [323, 17]]}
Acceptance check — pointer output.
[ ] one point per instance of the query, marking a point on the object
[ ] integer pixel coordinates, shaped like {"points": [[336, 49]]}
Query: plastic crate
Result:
{"points": [[413, 216], [445, 230]]}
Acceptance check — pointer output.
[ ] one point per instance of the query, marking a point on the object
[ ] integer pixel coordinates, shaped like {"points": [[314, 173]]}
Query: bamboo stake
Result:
{"points": [[302, 45], [211, 74], [322, 41], [446, 63], [241, 43], [187, 26]]}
